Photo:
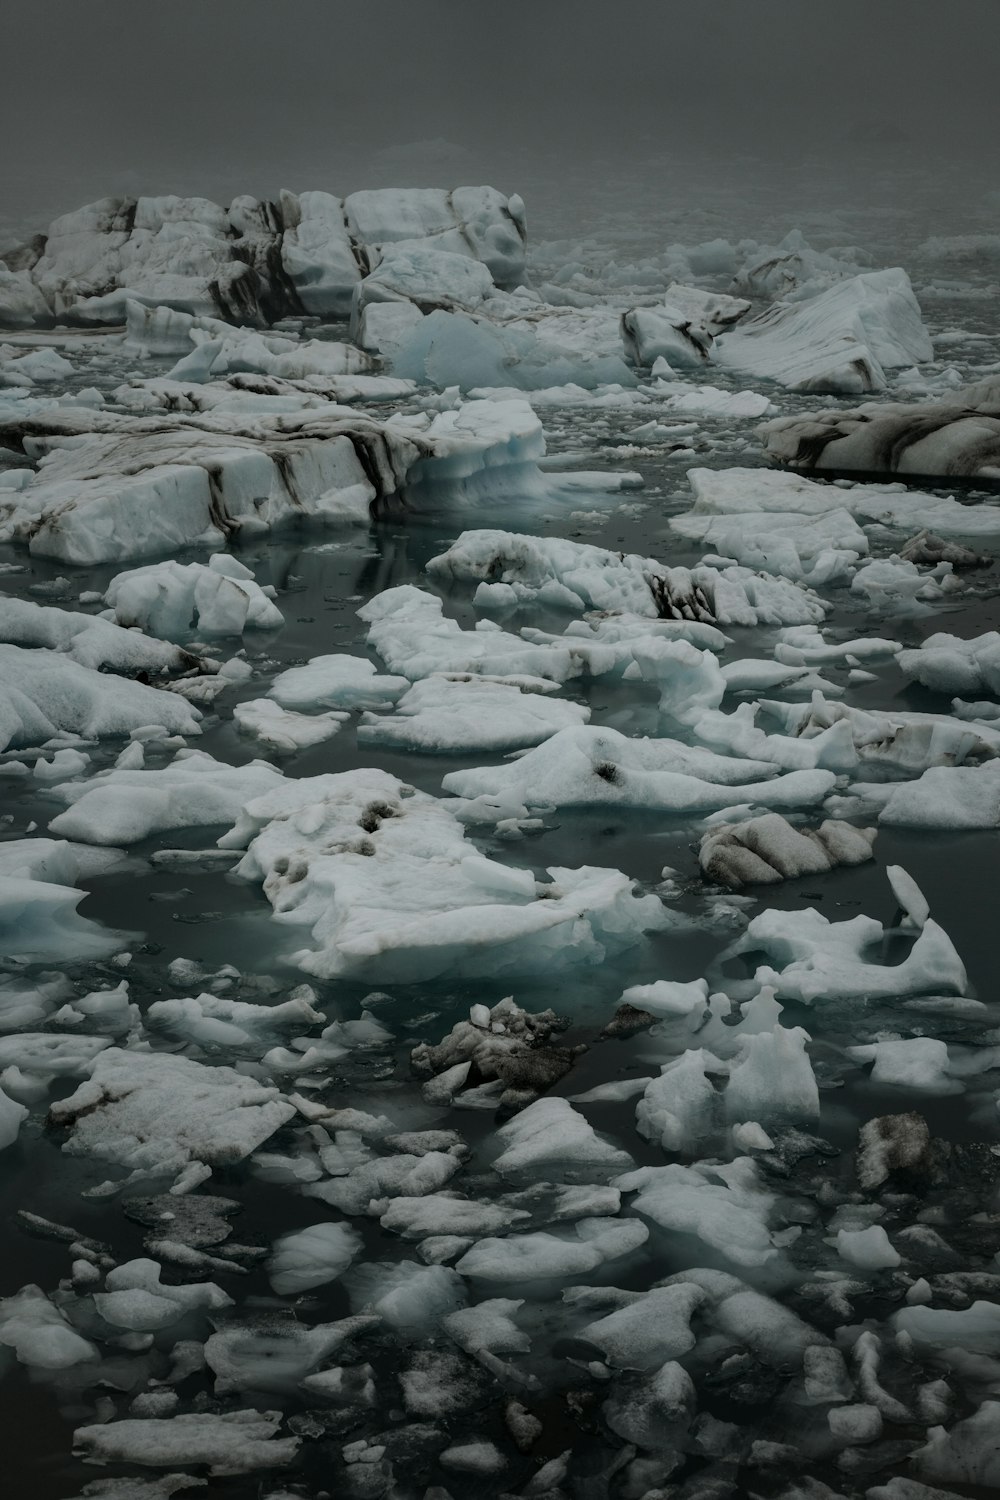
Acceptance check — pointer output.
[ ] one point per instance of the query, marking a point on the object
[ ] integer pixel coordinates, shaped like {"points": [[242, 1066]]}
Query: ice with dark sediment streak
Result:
{"points": [[957, 436], [255, 260], [579, 577], [138, 485]]}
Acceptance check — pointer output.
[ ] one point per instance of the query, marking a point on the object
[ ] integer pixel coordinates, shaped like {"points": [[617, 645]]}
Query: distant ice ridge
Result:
{"points": [[139, 486], [958, 435], [842, 339], [347, 857], [255, 261]]}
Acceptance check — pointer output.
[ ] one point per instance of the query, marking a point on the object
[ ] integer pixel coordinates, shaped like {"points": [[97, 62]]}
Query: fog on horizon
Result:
{"points": [[251, 96]]}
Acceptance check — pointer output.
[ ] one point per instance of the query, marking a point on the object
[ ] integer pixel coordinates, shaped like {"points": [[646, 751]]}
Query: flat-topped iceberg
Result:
{"points": [[135, 485]]}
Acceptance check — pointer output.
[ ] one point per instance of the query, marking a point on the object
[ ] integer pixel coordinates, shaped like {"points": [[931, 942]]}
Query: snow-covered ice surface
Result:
{"points": [[495, 997]]}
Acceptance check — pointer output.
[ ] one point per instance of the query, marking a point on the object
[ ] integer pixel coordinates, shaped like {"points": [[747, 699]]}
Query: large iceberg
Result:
{"points": [[255, 261], [843, 340], [137, 486]]}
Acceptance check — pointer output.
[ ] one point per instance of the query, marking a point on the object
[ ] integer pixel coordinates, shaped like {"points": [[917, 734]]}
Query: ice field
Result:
{"points": [[500, 763]]}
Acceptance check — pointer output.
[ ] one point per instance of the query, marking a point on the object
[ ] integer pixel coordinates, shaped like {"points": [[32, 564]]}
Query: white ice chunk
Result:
{"points": [[311, 1257], [171, 599], [155, 1113]]}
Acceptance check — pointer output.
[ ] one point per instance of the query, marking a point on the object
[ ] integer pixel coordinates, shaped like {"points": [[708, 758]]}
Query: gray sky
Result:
{"points": [[222, 96]]}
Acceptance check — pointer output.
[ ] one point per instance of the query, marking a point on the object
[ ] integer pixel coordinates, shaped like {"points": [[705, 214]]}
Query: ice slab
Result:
{"points": [[140, 485], [43, 692], [592, 767], [124, 806], [347, 857], [447, 714], [234, 1442], [156, 1113], [723, 1206], [842, 340]]}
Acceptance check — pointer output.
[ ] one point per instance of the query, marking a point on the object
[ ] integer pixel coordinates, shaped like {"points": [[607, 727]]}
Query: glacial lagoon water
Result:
{"points": [[755, 1423]]}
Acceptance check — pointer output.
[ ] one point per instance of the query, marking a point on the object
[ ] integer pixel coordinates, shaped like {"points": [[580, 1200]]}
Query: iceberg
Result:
{"points": [[580, 577], [347, 857], [256, 261], [843, 340], [142, 485], [958, 435]]}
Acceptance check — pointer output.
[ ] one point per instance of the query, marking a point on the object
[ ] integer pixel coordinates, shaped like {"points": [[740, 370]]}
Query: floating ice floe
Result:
{"points": [[577, 576], [44, 693], [38, 901], [215, 1022], [829, 960], [768, 849], [409, 630], [530, 1257], [40, 1334], [752, 493], [92, 642], [943, 797], [949, 664], [158, 1115], [280, 729], [137, 1300], [550, 1135], [124, 806], [959, 435], [172, 599], [885, 745], [233, 1442], [592, 767], [446, 714], [311, 1257], [347, 857], [723, 1206], [336, 682]]}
